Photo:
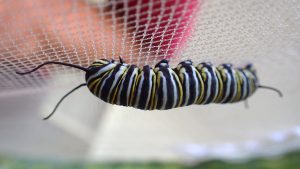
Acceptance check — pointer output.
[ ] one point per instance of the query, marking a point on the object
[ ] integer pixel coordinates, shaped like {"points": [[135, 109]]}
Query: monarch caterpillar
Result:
{"points": [[162, 87]]}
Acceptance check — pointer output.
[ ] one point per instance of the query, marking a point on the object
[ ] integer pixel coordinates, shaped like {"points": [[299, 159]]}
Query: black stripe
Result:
{"points": [[230, 73], [123, 96], [145, 90], [192, 84], [214, 81], [247, 84], [170, 89], [224, 82], [94, 70], [241, 76], [177, 89], [182, 83], [159, 93], [108, 84], [152, 92]]}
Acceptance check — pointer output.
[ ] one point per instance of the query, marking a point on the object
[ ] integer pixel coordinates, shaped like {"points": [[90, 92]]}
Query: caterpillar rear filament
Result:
{"points": [[164, 88]]}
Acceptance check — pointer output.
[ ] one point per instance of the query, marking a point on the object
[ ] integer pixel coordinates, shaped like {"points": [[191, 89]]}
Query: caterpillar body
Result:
{"points": [[163, 87]]}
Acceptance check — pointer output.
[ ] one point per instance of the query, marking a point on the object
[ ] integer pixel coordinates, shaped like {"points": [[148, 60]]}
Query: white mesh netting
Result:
{"points": [[265, 33], [80, 31], [142, 32]]}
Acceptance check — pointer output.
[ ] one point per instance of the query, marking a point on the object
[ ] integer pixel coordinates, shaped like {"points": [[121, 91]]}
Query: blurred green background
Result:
{"points": [[288, 161]]}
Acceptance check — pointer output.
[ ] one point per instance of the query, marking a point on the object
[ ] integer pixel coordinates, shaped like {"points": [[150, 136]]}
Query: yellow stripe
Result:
{"points": [[97, 86], [152, 100], [100, 79], [181, 81], [180, 89], [90, 85], [203, 74], [250, 79], [158, 85], [220, 95], [201, 85], [215, 72], [135, 82], [238, 83], [96, 64]]}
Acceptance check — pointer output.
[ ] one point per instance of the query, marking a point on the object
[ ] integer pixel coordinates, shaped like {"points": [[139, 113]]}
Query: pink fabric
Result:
{"points": [[159, 30]]}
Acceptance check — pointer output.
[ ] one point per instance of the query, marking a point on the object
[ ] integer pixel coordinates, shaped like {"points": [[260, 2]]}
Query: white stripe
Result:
{"points": [[128, 89], [131, 82], [102, 85], [187, 88], [183, 76], [196, 84], [208, 79], [235, 86], [217, 84], [165, 92], [228, 86], [244, 85], [251, 81], [174, 87], [117, 77], [120, 90], [150, 88]]}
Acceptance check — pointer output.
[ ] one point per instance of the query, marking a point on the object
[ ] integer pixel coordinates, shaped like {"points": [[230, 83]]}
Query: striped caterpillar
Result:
{"points": [[164, 88]]}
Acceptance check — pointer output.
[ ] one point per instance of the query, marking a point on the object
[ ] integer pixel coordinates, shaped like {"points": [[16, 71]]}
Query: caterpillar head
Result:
{"points": [[94, 68]]}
